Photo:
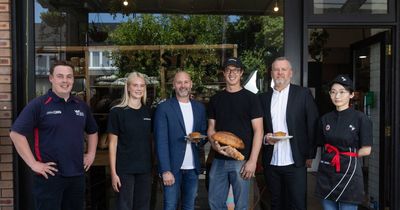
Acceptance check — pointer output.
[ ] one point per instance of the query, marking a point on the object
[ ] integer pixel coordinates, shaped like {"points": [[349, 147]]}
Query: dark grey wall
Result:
{"points": [[293, 24]]}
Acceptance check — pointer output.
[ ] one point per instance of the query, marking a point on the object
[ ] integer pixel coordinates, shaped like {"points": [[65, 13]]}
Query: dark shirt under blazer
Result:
{"points": [[301, 119]]}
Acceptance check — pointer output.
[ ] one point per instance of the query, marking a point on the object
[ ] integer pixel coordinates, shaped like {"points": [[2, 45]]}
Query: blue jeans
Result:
{"points": [[185, 188], [332, 205], [57, 192], [222, 174]]}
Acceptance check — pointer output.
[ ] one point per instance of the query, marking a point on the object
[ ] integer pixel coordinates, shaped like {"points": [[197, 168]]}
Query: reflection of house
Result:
{"points": [[57, 36], [43, 62], [100, 60], [67, 34], [378, 73]]}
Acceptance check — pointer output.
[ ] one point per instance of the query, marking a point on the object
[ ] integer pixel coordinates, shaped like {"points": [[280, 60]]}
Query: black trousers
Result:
{"points": [[57, 192], [135, 192], [288, 187]]}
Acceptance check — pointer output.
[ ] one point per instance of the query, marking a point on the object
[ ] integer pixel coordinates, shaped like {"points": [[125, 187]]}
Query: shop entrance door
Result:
{"points": [[372, 70]]}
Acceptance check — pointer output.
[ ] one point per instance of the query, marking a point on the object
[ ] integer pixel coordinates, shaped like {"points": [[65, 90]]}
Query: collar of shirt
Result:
{"points": [[54, 97]]}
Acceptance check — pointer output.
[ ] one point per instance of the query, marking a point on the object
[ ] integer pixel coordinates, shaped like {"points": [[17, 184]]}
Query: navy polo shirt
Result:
{"points": [[58, 128]]}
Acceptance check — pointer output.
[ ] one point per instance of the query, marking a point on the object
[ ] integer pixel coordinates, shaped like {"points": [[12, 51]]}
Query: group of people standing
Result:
{"points": [[59, 120]]}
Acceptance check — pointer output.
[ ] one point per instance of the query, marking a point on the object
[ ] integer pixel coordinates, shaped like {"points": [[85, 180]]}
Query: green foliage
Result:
{"points": [[165, 30], [146, 62], [260, 39], [144, 29], [254, 60], [271, 33]]}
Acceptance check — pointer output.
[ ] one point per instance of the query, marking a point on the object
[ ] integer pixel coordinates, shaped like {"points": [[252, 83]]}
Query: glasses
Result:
{"points": [[232, 70], [340, 92]]}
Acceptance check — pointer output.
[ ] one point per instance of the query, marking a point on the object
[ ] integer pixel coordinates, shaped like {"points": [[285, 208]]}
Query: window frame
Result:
{"points": [[350, 18]]}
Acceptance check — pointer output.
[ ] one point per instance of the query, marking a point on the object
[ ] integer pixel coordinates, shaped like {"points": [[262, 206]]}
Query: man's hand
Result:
{"points": [[116, 183], [309, 163], [268, 140], [44, 168], [248, 169], [220, 149], [168, 178], [88, 161]]}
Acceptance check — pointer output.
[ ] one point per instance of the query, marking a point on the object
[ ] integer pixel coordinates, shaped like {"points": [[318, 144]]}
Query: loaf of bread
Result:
{"points": [[228, 138], [195, 135], [234, 153], [279, 133]]}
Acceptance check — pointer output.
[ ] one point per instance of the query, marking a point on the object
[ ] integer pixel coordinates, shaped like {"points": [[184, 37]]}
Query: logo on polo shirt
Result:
{"points": [[146, 118], [53, 112], [79, 113]]}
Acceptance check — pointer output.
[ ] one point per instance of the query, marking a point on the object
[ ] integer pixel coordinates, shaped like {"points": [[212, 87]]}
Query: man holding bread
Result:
{"points": [[290, 119], [235, 131], [179, 124]]}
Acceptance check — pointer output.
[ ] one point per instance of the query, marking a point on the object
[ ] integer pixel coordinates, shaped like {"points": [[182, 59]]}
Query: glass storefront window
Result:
{"points": [[104, 40], [350, 7]]}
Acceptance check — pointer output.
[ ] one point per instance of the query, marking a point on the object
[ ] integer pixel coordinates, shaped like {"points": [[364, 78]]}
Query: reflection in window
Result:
{"points": [[350, 6], [94, 59], [100, 60], [43, 63], [104, 41]]}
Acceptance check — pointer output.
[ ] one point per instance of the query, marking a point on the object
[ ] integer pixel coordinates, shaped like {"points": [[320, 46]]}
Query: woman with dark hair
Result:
{"points": [[346, 135], [129, 127]]}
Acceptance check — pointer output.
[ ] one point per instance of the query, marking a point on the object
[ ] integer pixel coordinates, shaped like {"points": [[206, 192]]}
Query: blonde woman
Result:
{"points": [[129, 127]]}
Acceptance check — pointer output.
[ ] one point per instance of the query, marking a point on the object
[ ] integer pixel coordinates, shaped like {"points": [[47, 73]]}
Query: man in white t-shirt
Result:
{"points": [[178, 159]]}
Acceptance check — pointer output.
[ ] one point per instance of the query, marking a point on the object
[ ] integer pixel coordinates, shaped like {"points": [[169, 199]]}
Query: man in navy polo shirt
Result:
{"points": [[58, 122]]}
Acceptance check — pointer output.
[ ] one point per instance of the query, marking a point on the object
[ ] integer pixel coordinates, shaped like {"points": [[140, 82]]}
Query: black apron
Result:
{"points": [[345, 131]]}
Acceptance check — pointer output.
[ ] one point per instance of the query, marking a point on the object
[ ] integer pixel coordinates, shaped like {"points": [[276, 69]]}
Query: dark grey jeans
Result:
{"points": [[135, 192]]}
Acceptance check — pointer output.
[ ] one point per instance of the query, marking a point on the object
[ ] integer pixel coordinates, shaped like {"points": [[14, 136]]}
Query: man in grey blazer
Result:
{"points": [[291, 109]]}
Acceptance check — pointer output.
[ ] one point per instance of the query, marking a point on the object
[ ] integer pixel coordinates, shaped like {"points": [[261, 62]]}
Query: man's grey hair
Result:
{"points": [[282, 59]]}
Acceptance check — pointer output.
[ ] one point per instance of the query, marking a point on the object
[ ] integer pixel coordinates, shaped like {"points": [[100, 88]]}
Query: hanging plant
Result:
{"points": [[53, 18], [318, 40], [97, 33]]}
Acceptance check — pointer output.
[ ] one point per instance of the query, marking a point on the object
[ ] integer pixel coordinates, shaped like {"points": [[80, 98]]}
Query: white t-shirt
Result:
{"points": [[282, 155], [187, 113]]}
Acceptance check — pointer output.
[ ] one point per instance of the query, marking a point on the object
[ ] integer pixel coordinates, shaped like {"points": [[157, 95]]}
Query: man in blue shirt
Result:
{"points": [[58, 122]]}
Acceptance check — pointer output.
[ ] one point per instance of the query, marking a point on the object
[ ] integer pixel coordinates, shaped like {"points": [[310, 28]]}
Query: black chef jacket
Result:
{"points": [[347, 130]]}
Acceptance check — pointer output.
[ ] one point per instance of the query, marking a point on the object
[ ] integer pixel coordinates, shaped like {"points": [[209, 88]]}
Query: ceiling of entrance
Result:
{"points": [[231, 7]]}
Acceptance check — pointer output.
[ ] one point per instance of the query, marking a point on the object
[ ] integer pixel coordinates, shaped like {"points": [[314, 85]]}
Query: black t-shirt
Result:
{"points": [[133, 127], [233, 112]]}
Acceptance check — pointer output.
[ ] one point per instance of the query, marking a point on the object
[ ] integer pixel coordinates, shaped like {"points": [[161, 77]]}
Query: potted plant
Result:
{"points": [[53, 18], [98, 33]]}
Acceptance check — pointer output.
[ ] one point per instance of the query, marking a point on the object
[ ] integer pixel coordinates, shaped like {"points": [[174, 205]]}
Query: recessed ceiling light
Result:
{"points": [[276, 8]]}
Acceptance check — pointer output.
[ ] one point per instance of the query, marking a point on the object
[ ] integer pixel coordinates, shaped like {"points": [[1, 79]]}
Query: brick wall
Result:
{"points": [[6, 160]]}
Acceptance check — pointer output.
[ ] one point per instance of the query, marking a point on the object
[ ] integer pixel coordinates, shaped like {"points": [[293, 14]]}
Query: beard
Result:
{"points": [[183, 92], [280, 82]]}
